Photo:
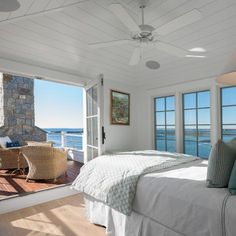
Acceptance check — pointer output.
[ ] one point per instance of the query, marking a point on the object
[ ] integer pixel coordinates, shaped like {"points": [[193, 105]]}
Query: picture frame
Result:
{"points": [[120, 108]]}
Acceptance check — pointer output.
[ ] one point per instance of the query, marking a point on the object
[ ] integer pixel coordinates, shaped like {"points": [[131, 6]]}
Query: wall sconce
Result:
{"points": [[228, 77]]}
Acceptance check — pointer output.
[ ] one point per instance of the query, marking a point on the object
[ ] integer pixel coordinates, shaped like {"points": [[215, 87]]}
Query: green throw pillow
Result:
{"points": [[220, 164], [232, 145], [232, 181]]}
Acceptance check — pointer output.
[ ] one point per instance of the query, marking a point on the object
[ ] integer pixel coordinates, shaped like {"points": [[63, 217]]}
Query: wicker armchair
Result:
{"points": [[45, 162], [9, 158]]}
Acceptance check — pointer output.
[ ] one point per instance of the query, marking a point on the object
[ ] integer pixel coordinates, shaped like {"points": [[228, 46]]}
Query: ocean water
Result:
{"points": [[190, 145], [54, 134], [204, 144]]}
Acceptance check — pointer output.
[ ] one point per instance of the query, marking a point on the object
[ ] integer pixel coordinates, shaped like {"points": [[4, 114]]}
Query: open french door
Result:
{"points": [[94, 131]]}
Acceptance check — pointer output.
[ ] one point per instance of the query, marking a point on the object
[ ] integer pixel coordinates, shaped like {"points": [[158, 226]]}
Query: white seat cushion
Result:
{"points": [[4, 140]]}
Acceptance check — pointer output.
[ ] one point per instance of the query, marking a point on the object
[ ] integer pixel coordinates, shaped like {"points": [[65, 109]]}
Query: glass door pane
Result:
{"points": [[92, 122]]}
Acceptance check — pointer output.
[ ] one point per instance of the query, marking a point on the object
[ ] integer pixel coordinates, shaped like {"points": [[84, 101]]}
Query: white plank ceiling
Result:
{"points": [[59, 39]]}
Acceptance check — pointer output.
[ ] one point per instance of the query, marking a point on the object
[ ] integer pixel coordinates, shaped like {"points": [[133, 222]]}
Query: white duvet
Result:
{"points": [[172, 202], [112, 179]]}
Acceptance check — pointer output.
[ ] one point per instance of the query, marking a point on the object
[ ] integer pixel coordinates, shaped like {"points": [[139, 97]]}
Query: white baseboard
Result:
{"points": [[19, 202]]}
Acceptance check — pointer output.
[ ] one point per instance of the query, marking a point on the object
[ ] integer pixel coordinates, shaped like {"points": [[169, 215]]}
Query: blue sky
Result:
{"points": [[58, 105]]}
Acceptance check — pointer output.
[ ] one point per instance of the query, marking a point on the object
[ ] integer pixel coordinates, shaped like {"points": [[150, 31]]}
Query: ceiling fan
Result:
{"points": [[146, 35]]}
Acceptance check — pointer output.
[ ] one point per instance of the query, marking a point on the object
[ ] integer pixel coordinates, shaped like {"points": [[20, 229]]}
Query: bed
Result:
{"points": [[173, 201]]}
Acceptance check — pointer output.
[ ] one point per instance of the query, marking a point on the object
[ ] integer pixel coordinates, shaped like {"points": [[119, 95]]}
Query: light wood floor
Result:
{"points": [[63, 217]]}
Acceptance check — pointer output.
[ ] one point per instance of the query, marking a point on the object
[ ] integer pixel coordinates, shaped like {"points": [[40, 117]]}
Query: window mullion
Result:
{"points": [[165, 128], [197, 121]]}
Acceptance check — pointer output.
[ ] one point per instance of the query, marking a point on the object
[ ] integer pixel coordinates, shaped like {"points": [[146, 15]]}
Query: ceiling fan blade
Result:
{"points": [[109, 43], [136, 57], [170, 49], [119, 11], [184, 20]]}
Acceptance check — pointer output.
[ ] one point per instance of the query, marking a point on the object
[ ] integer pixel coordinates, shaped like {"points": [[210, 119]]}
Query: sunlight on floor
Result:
{"points": [[63, 217]]}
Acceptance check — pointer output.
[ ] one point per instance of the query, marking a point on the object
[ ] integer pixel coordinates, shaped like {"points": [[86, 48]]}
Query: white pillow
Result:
{"points": [[4, 140]]}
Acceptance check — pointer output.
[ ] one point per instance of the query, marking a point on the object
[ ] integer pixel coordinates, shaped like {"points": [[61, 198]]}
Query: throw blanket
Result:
{"points": [[112, 179]]}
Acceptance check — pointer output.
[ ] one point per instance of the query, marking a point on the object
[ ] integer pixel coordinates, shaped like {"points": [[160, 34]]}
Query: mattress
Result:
{"points": [[173, 202]]}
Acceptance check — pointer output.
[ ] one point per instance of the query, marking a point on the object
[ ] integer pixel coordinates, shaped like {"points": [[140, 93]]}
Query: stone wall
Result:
{"points": [[17, 116]]}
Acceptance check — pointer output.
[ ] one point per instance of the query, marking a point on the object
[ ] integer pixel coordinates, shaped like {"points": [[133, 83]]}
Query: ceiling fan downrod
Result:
{"points": [[146, 30], [142, 10]]}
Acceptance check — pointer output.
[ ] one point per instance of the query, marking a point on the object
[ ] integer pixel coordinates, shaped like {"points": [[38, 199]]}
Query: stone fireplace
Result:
{"points": [[17, 116]]}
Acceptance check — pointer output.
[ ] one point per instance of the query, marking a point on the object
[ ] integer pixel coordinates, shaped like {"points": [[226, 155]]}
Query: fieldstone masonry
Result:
{"points": [[17, 118]]}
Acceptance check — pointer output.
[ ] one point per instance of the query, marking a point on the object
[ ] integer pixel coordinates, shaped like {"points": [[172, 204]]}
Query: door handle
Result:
{"points": [[103, 135]]}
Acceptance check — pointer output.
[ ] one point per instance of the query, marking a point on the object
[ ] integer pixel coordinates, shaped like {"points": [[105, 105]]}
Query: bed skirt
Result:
{"points": [[118, 224]]}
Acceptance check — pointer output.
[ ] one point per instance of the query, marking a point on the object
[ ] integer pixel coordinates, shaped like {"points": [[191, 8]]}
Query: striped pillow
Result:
{"points": [[232, 144], [220, 164]]}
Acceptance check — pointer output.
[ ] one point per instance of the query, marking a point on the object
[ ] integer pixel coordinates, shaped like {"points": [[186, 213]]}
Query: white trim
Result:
{"points": [[215, 114], [32, 71], [179, 122], [20, 202], [101, 147], [153, 122], [100, 114]]}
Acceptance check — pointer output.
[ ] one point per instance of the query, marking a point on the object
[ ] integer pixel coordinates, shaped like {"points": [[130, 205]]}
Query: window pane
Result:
{"points": [[204, 149], [170, 103], [160, 132], [171, 146], [190, 117], [160, 118], [89, 131], [204, 145], [160, 104], [204, 116], [190, 100], [95, 131], [190, 133], [204, 134], [160, 145], [228, 132], [170, 118], [170, 133], [197, 123], [165, 123], [95, 98], [89, 102], [229, 115], [228, 96], [203, 99], [190, 148]]}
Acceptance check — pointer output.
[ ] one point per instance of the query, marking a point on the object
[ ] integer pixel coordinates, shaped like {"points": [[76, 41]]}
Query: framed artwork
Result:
{"points": [[120, 108]]}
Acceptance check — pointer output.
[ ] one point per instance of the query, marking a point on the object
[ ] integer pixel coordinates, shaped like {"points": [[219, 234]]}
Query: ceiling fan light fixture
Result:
{"points": [[9, 5], [195, 56], [153, 65], [197, 49]]}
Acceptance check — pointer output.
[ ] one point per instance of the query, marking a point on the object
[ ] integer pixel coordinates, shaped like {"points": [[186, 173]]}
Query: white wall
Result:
{"points": [[136, 136], [140, 134]]}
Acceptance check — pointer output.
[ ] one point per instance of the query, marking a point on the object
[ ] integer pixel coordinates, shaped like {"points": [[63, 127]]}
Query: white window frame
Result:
{"points": [[178, 90]]}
